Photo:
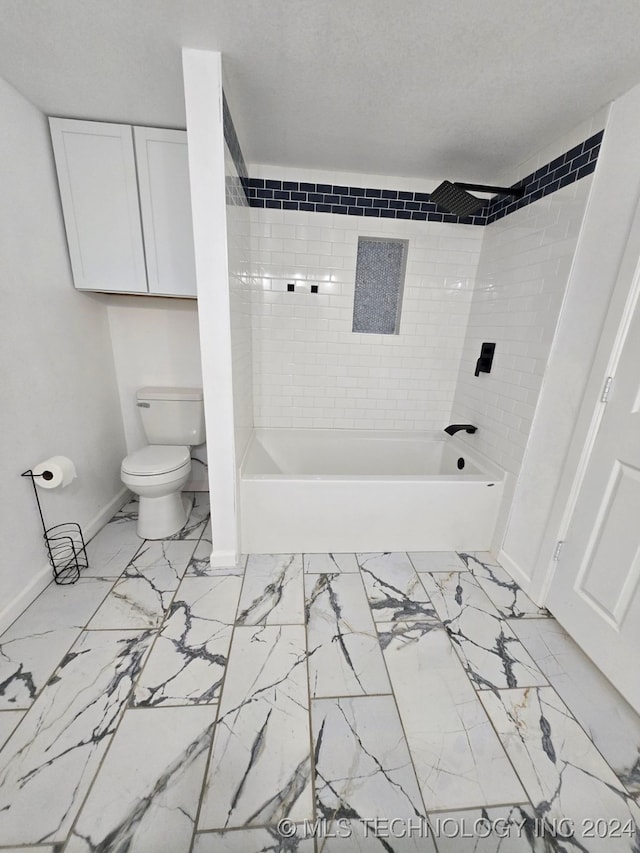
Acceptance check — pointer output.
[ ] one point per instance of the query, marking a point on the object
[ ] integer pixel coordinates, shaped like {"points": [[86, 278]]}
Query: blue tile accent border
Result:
{"points": [[350, 201], [400, 204], [574, 164], [231, 138]]}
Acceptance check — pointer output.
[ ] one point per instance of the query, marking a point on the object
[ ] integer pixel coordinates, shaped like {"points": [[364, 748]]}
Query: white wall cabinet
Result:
{"points": [[126, 207], [165, 205]]}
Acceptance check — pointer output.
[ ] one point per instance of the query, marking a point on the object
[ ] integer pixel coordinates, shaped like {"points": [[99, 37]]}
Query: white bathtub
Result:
{"points": [[304, 490]]}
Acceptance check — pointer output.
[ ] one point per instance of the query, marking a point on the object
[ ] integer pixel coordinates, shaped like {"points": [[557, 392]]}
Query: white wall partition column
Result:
{"points": [[203, 97]]}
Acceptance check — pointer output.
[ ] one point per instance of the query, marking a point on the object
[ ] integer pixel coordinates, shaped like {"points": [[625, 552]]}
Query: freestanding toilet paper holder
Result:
{"points": [[64, 542]]}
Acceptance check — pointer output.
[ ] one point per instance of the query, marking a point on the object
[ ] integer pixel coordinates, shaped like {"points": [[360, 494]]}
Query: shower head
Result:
{"points": [[454, 199]]}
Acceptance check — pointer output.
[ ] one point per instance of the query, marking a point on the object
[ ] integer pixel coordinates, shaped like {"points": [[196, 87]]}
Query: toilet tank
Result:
{"points": [[172, 415]]}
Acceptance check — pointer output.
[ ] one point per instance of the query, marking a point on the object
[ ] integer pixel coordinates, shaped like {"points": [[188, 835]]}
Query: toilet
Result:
{"points": [[173, 422]]}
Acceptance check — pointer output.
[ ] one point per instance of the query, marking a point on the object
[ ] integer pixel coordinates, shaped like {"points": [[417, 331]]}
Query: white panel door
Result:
{"points": [[165, 201], [97, 177], [595, 591]]}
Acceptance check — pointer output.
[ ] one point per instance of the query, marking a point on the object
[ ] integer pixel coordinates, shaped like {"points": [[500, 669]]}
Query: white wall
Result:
{"points": [[156, 341], [59, 393], [310, 369], [538, 517]]}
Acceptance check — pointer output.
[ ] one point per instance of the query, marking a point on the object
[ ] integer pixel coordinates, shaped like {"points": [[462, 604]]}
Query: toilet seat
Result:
{"points": [[156, 459]]}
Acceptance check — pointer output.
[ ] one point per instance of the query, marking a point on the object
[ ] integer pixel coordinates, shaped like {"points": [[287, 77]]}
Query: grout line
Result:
{"points": [[128, 706], [208, 763], [505, 805], [349, 696], [122, 712], [550, 686], [498, 617], [475, 693], [312, 753], [489, 720], [80, 631], [395, 698], [125, 705]]}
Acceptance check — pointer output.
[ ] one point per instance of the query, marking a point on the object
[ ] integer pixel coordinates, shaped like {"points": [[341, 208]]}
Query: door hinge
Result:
{"points": [[556, 553], [605, 391]]}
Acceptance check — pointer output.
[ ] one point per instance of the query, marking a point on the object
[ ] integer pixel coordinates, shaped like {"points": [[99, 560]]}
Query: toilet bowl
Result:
{"points": [[157, 474], [173, 422]]}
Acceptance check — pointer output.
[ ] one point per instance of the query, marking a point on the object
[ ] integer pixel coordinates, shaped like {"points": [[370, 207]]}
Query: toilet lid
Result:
{"points": [[156, 459]]}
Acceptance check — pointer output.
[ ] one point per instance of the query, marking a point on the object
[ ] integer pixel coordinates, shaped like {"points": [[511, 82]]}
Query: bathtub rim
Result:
{"points": [[490, 472]]}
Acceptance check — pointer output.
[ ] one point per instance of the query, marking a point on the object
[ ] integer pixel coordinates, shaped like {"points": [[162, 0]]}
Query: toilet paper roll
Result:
{"points": [[53, 472]]}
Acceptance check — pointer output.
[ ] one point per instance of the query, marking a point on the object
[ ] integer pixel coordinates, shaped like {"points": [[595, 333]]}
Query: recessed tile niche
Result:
{"points": [[380, 271]]}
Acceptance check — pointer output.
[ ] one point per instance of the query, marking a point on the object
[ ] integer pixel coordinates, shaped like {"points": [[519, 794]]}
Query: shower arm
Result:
{"points": [[517, 192]]}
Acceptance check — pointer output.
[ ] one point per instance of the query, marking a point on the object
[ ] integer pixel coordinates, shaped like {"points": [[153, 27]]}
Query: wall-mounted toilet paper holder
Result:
{"points": [[66, 548]]}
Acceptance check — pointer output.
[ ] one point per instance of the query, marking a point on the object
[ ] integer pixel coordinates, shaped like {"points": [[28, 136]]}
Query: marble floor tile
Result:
{"points": [[266, 840], [491, 653], [106, 742], [146, 795], [273, 592], [141, 597], [206, 533], [37, 641], [436, 561], [48, 763], [504, 829], [38, 849], [363, 766], [260, 769], [66, 606], [318, 564], [503, 591], [563, 773], [610, 722], [393, 588], [198, 516], [8, 721], [376, 836], [200, 565], [344, 651], [114, 546], [458, 758], [188, 660]]}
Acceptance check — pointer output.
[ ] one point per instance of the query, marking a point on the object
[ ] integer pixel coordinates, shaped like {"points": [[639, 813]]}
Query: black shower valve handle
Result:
{"points": [[485, 362]]}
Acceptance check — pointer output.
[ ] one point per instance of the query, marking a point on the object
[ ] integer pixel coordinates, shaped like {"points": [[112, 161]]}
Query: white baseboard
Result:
{"points": [[43, 578], [104, 515], [12, 610], [222, 559]]}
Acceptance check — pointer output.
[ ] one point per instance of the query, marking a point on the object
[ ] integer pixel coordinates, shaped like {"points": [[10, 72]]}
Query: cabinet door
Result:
{"points": [[97, 178], [165, 202]]}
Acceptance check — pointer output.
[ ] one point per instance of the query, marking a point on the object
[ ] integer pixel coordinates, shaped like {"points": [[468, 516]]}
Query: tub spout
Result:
{"points": [[452, 429]]}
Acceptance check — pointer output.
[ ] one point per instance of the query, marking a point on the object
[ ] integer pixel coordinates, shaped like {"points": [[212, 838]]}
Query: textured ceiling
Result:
{"points": [[421, 88]]}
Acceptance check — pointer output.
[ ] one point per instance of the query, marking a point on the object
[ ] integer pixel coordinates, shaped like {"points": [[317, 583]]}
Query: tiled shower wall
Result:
{"points": [[310, 369], [240, 293], [522, 275]]}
